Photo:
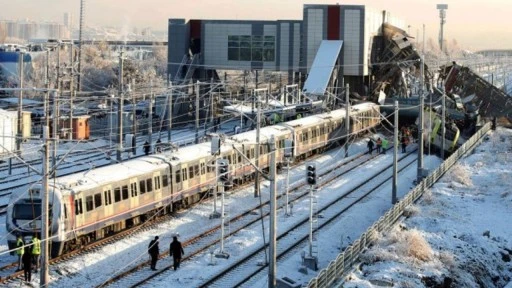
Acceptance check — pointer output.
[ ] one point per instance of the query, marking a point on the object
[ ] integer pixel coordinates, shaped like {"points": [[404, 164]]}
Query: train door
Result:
{"points": [[134, 193], [157, 186], [107, 199], [177, 182]]}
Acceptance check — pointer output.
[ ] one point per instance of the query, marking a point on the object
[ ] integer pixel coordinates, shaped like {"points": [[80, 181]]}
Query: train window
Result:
{"points": [[165, 180], [239, 158], [149, 185], [191, 172], [196, 170], [203, 169], [97, 200], [65, 211], [88, 203], [178, 176], [125, 192], [142, 184], [117, 194], [108, 197], [133, 188], [157, 182], [184, 174], [252, 152], [78, 206], [248, 154], [314, 133]]}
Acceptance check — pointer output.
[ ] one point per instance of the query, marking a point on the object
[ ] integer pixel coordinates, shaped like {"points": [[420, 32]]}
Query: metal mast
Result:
{"points": [[442, 16], [120, 110], [80, 33]]}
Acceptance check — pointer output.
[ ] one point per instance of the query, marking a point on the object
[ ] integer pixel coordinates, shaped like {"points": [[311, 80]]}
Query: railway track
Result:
{"points": [[8, 273], [292, 240], [139, 274]]}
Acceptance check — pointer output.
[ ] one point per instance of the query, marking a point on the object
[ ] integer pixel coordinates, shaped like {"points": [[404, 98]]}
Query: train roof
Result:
{"points": [[265, 134], [190, 153], [77, 182], [314, 119]]}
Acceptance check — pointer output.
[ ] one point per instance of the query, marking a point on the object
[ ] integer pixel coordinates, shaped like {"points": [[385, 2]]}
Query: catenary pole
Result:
{"points": [[71, 90], [20, 104], [44, 215], [56, 115], [395, 155], [169, 114], [197, 112], [150, 125], [120, 110], [257, 160], [419, 173], [443, 122], [273, 229], [347, 120]]}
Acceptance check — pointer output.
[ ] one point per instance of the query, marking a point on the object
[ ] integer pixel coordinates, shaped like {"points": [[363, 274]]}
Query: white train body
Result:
{"points": [[90, 205]]}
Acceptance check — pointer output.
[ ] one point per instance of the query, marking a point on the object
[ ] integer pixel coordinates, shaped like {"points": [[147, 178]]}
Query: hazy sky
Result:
{"points": [[474, 24]]}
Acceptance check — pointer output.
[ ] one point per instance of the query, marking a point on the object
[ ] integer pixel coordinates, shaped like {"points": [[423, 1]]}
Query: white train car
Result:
{"points": [[88, 206]]}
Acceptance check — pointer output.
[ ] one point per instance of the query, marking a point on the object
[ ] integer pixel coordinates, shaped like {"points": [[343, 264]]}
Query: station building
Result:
{"points": [[198, 47]]}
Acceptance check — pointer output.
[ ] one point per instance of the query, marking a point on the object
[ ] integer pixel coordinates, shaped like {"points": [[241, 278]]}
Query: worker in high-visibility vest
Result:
{"points": [[384, 145], [19, 251], [36, 251]]}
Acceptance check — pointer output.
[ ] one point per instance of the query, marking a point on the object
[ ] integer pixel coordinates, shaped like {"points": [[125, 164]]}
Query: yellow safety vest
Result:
{"points": [[36, 248], [19, 246]]}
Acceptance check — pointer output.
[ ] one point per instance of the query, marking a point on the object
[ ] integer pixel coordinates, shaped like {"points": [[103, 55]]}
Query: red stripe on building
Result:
{"points": [[195, 29], [333, 22]]}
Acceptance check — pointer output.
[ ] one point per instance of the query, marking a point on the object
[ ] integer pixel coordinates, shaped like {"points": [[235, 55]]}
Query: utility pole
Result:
{"points": [[134, 123], [20, 104], [213, 111], [56, 116], [54, 134], [120, 110], [273, 229], [257, 162], [150, 126], [169, 114], [419, 173], [71, 91], [80, 33], [395, 155], [347, 118], [44, 215], [47, 84], [443, 122], [197, 112]]}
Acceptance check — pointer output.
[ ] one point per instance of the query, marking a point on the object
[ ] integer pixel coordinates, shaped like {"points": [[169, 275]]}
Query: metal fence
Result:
{"points": [[345, 260]]}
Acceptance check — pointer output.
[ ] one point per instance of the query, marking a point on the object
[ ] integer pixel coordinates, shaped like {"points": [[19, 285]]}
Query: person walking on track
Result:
{"points": [[176, 251], [153, 251]]}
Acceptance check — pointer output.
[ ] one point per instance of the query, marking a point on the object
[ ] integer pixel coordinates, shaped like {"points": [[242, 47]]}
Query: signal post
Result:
{"points": [[311, 261]]}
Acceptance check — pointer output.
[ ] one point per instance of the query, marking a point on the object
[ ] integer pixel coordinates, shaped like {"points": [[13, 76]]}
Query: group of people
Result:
{"points": [[382, 145], [175, 251], [28, 254]]}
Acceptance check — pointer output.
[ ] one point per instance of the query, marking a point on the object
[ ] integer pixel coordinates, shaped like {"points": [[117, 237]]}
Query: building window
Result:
{"points": [[251, 48]]}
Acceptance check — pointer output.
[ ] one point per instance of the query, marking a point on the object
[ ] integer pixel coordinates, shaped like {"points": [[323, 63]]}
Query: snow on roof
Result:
{"points": [[265, 133], [312, 120], [192, 152], [111, 173]]}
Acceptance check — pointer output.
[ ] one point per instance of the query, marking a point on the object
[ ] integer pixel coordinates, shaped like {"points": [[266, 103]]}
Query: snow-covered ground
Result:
{"points": [[480, 209], [459, 233]]}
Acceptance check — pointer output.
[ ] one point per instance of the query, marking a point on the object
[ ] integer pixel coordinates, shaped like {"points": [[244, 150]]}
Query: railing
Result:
{"points": [[345, 260]]}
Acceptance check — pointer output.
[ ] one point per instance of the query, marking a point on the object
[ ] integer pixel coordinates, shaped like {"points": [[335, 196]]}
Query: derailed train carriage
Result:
{"points": [[85, 207]]}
